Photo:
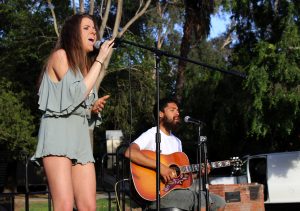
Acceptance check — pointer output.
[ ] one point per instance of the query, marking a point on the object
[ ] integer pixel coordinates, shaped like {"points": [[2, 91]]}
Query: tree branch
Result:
{"points": [[92, 6], [81, 6], [51, 7], [132, 20], [115, 32], [118, 18], [74, 7], [105, 17], [228, 39]]}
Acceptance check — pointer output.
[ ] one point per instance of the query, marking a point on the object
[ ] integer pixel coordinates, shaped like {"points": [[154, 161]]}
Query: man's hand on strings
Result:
{"points": [[167, 173]]}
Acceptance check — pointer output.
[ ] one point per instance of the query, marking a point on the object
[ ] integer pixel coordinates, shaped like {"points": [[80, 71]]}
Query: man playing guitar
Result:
{"points": [[183, 198]]}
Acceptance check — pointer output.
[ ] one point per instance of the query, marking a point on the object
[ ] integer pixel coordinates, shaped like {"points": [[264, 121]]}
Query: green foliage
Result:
{"points": [[215, 98], [259, 113], [263, 107], [274, 83], [16, 122], [26, 38], [269, 49], [130, 82]]}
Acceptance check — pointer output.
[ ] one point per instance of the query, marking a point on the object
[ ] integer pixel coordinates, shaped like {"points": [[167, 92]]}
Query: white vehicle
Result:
{"points": [[278, 172]]}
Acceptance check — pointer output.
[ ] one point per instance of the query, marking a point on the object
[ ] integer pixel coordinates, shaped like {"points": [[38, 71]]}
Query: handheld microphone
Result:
{"points": [[98, 44], [115, 44], [189, 119]]}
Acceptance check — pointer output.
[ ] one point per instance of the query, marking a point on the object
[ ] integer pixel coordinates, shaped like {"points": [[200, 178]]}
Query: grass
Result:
{"points": [[40, 203], [102, 205]]}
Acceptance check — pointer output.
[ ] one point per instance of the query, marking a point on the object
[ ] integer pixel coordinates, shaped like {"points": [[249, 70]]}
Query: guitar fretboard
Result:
{"points": [[195, 167]]}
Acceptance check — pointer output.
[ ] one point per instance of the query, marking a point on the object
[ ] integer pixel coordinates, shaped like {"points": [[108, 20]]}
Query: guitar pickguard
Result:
{"points": [[176, 181]]}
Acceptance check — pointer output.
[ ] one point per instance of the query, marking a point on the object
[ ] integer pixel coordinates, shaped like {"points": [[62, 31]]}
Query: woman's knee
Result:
{"points": [[89, 205], [63, 204]]}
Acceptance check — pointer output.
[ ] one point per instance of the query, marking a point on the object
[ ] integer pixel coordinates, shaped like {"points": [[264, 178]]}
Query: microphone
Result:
{"points": [[98, 44], [189, 119], [115, 44]]}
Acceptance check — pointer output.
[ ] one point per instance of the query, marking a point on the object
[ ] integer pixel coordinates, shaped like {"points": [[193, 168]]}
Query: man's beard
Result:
{"points": [[170, 124]]}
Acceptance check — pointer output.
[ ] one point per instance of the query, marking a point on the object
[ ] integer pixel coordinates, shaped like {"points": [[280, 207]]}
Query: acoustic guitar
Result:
{"points": [[144, 179]]}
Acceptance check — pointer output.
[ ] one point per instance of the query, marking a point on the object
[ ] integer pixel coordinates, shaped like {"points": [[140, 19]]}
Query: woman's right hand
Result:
{"points": [[99, 104], [104, 50]]}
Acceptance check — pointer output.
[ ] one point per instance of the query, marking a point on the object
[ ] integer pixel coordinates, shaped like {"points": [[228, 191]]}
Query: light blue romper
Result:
{"points": [[64, 128]]}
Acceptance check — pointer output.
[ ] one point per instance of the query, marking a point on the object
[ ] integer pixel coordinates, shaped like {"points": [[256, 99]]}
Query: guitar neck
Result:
{"points": [[195, 167]]}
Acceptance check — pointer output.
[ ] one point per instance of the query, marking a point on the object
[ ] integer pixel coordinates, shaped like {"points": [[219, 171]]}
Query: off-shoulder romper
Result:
{"points": [[64, 128]]}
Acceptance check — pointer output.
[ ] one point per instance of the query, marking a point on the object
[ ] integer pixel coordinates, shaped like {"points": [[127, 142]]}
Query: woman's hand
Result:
{"points": [[99, 104], [91, 77], [104, 50]]}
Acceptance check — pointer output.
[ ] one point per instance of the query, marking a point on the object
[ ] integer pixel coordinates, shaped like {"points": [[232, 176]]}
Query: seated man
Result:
{"points": [[187, 198]]}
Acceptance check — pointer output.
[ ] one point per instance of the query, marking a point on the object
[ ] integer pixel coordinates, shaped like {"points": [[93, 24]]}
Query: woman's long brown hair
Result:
{"points": [[70, 40]]}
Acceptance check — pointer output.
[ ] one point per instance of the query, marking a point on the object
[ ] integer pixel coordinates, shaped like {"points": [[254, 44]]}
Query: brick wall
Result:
{"points": [[241, 197]]}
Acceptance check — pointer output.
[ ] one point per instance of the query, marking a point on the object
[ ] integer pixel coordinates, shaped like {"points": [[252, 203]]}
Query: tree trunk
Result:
{"points": [[184, 51]]}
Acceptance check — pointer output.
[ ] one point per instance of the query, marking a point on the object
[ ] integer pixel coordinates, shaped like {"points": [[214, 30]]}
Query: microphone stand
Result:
{"points": [[206, 187], [119, 41], [157, 62], [201, 145], [158, 54]]}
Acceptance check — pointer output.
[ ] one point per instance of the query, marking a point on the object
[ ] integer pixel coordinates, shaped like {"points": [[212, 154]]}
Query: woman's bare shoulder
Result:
{"points": [[58, 65]]}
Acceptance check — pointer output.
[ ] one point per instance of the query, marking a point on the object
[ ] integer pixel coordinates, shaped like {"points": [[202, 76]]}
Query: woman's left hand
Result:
{"points": [[99, 104]]}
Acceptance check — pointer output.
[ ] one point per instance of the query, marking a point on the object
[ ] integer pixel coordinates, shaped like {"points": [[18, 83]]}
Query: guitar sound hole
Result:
{"points": [[176, 168]]}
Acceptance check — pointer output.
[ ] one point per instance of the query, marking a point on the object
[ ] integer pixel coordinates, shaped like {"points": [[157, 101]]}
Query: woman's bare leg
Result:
{"points": [[84, 185], [59, 173]]}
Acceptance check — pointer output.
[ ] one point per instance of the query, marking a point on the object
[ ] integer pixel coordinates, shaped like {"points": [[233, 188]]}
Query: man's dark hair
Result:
{"points": [[162, 104]]}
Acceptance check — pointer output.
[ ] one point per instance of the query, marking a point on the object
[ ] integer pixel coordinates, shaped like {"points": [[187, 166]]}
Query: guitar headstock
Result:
{"points": [[236, 164]]}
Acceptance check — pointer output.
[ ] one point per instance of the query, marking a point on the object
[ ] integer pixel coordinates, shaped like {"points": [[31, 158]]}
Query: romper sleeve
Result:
{"points": [[63, 97], [95, 120]]}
